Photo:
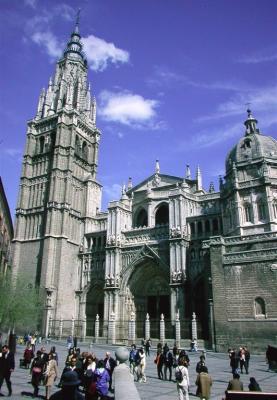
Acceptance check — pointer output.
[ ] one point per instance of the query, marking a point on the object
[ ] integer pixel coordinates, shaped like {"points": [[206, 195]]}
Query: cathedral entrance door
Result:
{"points": [[150, 290]]}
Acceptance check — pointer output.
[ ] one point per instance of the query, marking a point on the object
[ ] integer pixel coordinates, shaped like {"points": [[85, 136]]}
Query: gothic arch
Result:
{"points": [[141, 218], [162, 214], [146, 290]]}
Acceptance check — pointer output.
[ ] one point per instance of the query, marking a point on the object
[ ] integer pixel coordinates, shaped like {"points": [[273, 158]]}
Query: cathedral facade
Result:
{"points": [[166, 248]]}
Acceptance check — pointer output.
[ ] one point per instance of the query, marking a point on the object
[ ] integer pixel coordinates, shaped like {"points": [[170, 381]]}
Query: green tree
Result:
{"points": [[21, 304]]}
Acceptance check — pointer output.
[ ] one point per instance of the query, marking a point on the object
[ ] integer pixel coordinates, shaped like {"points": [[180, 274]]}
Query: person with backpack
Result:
{"points": [[182, 379]]}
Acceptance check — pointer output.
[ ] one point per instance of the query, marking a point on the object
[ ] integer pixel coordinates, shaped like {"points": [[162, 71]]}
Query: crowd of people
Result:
{"points": [[91, 378]]}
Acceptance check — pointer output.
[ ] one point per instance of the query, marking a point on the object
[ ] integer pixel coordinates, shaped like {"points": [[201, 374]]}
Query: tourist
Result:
{"points": [[254, 386], [182, 379], [159, 361], [28, 355], [102, 379], [110, 364], [36, 371], [147, 347], [7, 365], [203, 383], [235, 383], [168, 364], [89, 378], [183, 354], [69, 342], [200, 364], [69, 391], [247, 359], [50, 374], [33, 340], [193, 345], [141, 366], [133, 359], [54, 354], [234, 360], [242, 361]]}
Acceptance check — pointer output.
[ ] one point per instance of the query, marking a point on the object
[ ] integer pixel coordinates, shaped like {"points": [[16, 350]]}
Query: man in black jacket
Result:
{"points": [[6, 368]]}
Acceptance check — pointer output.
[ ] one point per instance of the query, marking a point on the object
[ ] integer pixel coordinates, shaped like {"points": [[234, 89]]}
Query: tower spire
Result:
{"points": [[76, 30], [74, 48]]}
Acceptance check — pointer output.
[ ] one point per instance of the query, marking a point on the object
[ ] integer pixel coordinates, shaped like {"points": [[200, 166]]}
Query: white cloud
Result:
{"points": [[259, 57], [100, 53], [262, 99], [113, 192], [163, 76], [31, 3], [126, 108], [48, 41]]}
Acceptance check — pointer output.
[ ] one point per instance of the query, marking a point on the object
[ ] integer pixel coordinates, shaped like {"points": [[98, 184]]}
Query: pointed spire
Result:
{"points": [[250, 124], [123, 193], [93, 110], [199, 178], [157, 167], [211, 188], [76, 30], [40, 104], [188, 174], [74, 48], [130, 183]]}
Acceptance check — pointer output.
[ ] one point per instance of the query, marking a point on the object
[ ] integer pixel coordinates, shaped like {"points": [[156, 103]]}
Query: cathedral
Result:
{"points": [[166, 250]]}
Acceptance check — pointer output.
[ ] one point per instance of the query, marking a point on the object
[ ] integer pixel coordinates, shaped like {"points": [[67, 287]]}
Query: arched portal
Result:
{"points": [[94, 306], [150, 291]]}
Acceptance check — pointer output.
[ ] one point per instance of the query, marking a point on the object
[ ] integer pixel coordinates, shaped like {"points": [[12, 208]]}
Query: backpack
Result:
{"points": [[178, 375]]}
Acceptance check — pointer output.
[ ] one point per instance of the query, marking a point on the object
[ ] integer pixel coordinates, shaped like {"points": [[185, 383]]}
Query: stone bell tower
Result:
{"points": [[59, 194]]}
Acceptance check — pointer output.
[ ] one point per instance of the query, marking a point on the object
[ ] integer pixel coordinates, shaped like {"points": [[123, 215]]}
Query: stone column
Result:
{"points": [[48, 316], [132, 329], [84, 328], [50, 326], [147, 327], [60, 328], [96, 328], [72, 326], [111, 329], [162, 329], [177, 330], [211, 321], [194, 327]]}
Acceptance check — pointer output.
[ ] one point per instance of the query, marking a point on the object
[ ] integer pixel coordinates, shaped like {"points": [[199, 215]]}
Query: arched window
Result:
{"points": [[207, 226], [274, 208], [259, 307], [77, 145], [215, 225], [199, 228], [85, 150], [261, 210], [141, 218], [247, 212], [162, 215], [41, 144], [192, 229]]}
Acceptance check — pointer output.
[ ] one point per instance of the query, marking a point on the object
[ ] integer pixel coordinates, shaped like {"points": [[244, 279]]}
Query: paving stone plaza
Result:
{"points": [[218, 364]]}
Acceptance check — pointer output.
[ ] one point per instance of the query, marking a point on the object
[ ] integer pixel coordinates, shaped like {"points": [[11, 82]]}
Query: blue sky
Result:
{"points": [[171, 78]]}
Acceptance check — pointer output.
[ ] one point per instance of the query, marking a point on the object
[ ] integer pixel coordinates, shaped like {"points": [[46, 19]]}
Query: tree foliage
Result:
{"points": [[21, 304]]}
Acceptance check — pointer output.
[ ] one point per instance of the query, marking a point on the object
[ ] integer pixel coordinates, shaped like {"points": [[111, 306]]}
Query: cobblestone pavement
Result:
{"points": [[154, 388]]}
